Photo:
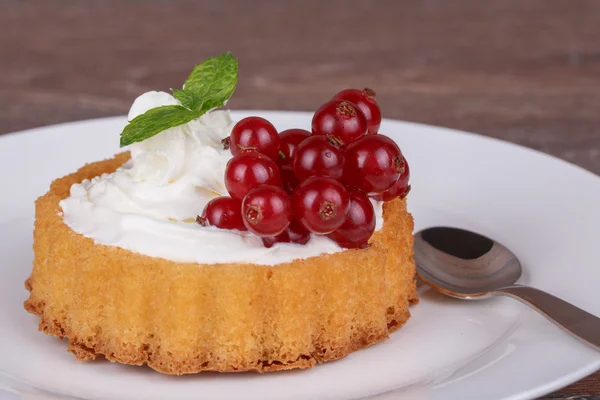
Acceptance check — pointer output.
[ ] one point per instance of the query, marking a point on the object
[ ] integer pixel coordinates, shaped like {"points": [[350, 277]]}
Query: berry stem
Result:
{"points": [[226, 144], [201, 220]]}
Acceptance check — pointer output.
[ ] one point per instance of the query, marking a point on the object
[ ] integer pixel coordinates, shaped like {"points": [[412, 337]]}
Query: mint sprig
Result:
{"points": [[208, 86]]}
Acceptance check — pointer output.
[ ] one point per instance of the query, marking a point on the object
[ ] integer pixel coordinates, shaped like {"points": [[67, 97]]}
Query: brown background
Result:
{"points": [[525, 71]]}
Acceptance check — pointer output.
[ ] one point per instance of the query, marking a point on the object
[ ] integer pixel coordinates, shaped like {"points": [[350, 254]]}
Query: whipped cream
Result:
{"points": [[150, 204]]}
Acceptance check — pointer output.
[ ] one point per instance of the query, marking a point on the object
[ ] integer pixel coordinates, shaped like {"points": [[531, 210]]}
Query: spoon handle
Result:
{"points": [[573, 320]]}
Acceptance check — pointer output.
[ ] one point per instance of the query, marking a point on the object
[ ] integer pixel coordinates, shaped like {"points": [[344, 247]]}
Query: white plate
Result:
{"points": [[544, 209]]}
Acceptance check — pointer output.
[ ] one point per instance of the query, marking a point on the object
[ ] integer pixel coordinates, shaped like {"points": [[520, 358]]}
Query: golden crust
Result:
{"points": [[185, 318]]}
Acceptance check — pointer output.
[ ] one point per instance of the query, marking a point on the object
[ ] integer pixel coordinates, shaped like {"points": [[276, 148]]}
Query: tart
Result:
{"points": [[182, 316]]}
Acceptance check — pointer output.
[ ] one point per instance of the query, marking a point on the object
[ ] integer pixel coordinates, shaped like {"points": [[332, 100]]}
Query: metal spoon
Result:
{"points": [[467, 265]]}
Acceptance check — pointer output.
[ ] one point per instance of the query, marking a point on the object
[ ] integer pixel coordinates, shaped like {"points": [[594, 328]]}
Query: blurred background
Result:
{"points": [[526, 71]]}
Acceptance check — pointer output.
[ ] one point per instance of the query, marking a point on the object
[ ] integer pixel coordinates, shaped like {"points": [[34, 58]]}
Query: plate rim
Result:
{"points": [[478, 136]]}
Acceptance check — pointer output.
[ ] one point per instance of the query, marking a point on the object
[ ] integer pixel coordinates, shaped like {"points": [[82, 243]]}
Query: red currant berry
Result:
{"points": [[359, 225], [267, 210], [340, 120], [249, 170], [223, 212], [365, 100], [320, 204], [372, 164], [288, 141], [288, 179], [294, 233], [398, 189], [316, 156], [254, 134]]}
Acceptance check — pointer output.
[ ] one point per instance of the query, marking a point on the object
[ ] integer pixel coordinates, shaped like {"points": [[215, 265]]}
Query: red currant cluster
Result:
{"points": [[284, 187]]}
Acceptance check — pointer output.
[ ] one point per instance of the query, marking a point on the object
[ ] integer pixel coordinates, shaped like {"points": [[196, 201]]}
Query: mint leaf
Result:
{"points": [[187, 98], [212, 82], [155, 121], [209, 86]]}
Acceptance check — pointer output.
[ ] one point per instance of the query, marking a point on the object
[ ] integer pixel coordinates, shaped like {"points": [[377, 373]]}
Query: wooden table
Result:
{"points": [[527, 71]]}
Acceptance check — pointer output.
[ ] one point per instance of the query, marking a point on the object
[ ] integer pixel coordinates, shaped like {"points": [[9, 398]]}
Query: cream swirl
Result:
{"points": [[150, 204]]}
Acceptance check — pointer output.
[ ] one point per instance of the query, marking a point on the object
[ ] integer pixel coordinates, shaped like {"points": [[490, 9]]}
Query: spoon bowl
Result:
{"points": [[464, 264], [467, 265]]}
